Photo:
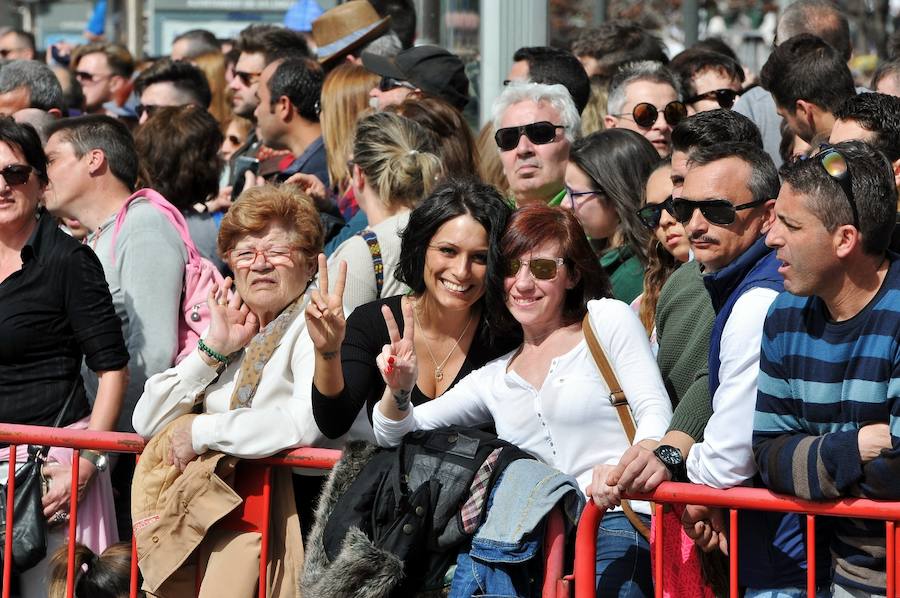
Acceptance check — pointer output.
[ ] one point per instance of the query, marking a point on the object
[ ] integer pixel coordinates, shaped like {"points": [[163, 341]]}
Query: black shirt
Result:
{"points": [[54, 312], [363, 385]]}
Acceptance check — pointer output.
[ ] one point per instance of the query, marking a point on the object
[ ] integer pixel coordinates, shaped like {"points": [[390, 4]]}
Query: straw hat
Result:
{"points": [[345, 28]]}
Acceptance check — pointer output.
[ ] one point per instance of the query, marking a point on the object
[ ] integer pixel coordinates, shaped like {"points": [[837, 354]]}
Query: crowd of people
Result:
{"points": [[371, 266]]}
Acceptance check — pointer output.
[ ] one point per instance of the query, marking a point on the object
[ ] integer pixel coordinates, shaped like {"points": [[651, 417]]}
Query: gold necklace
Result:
{"points": [[439, 367]]}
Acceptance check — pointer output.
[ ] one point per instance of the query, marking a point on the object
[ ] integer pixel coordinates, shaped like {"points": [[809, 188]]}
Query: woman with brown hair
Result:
{"points": [[213, 66]]}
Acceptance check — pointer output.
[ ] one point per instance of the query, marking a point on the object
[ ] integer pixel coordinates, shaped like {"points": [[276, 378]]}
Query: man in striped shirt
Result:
{"points": [[826, 423]]}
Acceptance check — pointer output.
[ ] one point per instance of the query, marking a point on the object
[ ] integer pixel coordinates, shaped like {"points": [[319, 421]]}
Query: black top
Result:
{"points": [[54, 312], [363, 385]]}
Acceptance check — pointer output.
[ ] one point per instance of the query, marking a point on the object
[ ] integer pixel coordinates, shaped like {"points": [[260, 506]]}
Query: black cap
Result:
{"points": [[432, 69]]}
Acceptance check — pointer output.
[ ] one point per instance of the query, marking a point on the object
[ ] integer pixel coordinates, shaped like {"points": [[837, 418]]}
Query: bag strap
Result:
{"points": [[163, 206], [377, 262], [618, 400]]}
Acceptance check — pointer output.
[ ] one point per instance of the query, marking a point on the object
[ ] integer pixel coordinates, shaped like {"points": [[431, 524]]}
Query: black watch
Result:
{"points": [[674, 462]]}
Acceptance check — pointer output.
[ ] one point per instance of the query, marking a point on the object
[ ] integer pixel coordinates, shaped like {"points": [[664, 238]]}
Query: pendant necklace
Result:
{"points": [[439, 367]]}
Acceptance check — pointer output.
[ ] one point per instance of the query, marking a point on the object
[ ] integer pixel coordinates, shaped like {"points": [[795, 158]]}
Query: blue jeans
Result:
{"points": [[623, 559], [783, 593]]}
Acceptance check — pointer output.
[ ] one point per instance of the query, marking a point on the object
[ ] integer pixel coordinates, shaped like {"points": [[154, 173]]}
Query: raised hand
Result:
{"points": [[325, 311], [312, 186], [397, 360], [232, 324]]}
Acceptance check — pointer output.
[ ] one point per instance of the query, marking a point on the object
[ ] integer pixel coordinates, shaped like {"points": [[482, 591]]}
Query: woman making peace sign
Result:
{"points": [[450, 259]]}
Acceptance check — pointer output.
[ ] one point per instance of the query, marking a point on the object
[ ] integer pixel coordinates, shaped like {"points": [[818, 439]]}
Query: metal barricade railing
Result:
{"points": [[734, 499]]}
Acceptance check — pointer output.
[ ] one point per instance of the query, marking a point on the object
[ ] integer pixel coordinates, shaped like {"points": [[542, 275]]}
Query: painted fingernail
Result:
{"points": [[389, 369], [391, 360]]}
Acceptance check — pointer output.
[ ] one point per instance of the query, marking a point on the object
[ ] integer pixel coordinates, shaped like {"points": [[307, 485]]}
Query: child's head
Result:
{"points": [[103, 576]]}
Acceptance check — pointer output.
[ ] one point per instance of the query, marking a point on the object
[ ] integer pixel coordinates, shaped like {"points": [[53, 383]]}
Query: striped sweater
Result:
{"points": [[819, 382]]}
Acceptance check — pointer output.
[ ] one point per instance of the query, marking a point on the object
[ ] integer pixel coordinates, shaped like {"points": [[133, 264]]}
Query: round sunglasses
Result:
{"points": [[16, 174], [541, 268], [645, 113], [724, 97], [651, 213], [539, 133], [716, 211]]}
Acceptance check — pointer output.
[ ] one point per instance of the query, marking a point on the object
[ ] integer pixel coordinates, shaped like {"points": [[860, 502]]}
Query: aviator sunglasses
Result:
{"points": [[16, 174], [542, 268], [835, 164], [651, 213], [724, 97], [539, 133], [389, 83], [645, 113], [716, 211]]}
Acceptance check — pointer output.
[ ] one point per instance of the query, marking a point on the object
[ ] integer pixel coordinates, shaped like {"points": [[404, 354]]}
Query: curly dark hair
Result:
{"points": [[179, 153]]}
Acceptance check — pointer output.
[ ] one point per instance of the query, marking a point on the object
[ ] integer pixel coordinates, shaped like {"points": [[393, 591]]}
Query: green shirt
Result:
{"points": [[626, 274], [556, 201]]}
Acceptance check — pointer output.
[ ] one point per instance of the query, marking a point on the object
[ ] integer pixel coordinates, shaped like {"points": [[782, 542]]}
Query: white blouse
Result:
{"points": [[281, 414], [569, 422]]}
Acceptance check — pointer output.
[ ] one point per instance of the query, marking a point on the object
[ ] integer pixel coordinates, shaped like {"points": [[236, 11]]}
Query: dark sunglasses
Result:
{"points": [[539, 133], [84, 76], [150, 109], [716, 211], [651, 213], [725, 97], [389, 83], [835, 164], [541, 268], [645, 113], [16, 174], [247, 79]]}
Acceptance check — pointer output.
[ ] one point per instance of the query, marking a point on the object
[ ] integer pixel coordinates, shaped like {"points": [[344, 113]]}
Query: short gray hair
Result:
{"points": [[43, 86], [643, 70], [556, 95]]}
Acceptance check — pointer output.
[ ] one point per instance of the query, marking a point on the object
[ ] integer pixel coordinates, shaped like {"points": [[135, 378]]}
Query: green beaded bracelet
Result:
{"points": [[212, 353]]}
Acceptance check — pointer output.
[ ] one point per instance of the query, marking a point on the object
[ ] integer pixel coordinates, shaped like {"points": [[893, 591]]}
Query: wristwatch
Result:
{"points": [[674, 462], [99, 460]]}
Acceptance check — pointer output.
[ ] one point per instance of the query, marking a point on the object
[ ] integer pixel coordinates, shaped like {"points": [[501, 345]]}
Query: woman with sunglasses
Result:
{"points": [[55, 313], [450, 259], [605, 179], [547, 396]]}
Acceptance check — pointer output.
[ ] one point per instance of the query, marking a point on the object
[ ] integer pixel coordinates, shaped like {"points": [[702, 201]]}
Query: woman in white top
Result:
{"points": [[393, 168], [547, 396]]}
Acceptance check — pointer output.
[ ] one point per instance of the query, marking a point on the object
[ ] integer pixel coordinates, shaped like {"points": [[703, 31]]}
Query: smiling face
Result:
{"points": [[265, 287], [17, 202], [595, 212], [535, 172], [538, 304], [670, 233], [456, 263]]}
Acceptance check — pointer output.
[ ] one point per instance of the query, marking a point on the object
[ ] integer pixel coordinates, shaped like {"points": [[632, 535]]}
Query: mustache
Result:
{"points": [[703, 238]]}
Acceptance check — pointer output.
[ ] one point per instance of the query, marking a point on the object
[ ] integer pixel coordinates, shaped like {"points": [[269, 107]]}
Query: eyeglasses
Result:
{"points": [[542, 268], [150, 109], [725, 97], [246, 78], [277, 255], [16, 174], [539, 133], [574, 195], [389, 83], [716, 211], [835, 164], [86, 77], [651, 213], [645, 113]]}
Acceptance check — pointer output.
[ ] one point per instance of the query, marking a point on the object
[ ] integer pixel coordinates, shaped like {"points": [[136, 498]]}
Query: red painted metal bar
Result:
{"points": [[891, 555], [555, 554], [73, 521], [733, 553], [133, 581], [810, 555], [586, 551], [10, 499], [264, 540], [658, 547]]}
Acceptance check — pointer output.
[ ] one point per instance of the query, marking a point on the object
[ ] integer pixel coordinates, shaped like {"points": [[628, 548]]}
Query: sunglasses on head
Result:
{"points": [[16, 174], [651, 213], [716, 211], [389, 83], [247, 79], [645, 113], [724, 97], [835, 164], [541, 268], [539, 133]]}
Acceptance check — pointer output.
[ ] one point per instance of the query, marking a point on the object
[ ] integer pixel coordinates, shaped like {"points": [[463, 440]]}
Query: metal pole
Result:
{"points": [[691, 18], [600, 12], [134, 21]]}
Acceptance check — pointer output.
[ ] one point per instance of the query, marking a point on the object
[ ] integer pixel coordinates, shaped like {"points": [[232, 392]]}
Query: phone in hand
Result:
{"points": [[242, 165]]}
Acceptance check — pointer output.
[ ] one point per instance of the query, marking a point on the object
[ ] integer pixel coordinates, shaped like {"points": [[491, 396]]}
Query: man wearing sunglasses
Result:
{"points": [[429, 70], [103, 70], [170, 83], [535, 125], [645, 97], [17, 44], [825, 425], [711, 80]]}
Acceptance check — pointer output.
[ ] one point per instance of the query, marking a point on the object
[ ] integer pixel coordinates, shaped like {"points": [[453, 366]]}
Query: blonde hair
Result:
{"points": [[592, 116], [398, 157], [258, 207], [213, 66], [490, 168], [345, 96]]}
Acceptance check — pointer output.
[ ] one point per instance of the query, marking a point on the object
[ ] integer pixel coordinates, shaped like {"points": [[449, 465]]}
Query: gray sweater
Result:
{"points": [[145, 273]]}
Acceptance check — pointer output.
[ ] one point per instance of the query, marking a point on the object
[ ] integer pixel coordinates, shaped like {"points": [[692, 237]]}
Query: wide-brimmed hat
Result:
{"points": [[345, 28], [432, 69]]}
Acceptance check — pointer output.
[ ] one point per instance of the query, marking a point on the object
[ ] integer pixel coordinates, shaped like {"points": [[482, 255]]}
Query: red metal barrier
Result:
{"points": [[733, 499]]}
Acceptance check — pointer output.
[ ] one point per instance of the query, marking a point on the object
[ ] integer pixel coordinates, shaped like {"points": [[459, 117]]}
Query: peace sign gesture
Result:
{"points": [[397, 360], [325, 311]]}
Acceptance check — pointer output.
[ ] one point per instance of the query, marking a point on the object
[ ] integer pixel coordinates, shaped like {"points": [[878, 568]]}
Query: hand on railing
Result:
{"points": [[603, 493], [59, 476], [706, 527]]}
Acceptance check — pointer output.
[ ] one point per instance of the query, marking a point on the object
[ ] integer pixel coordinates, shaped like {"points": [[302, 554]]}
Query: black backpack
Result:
{"points": [[388, 522]]}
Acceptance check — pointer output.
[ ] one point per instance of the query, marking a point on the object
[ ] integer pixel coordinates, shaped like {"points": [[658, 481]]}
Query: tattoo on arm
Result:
{"points": [[401, 398], [329, 355]]}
